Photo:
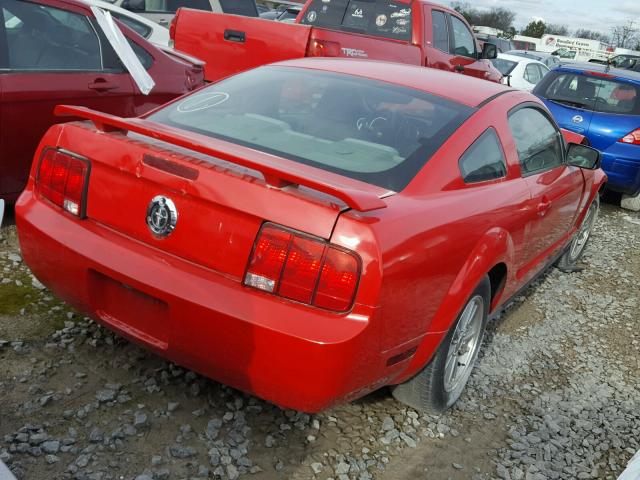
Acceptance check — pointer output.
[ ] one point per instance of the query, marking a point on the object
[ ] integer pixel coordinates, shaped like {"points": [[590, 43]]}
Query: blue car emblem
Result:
{"points": [[577, 119]]}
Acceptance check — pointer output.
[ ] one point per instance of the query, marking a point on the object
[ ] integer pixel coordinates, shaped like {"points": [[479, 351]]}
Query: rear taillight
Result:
{"points": [[303, 268], [172, 29], [323, 48], [62, 179], [632, 138]]}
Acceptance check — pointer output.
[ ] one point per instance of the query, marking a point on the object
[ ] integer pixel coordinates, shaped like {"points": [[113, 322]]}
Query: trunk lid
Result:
{"points": [[230, 44], [220, 204]]}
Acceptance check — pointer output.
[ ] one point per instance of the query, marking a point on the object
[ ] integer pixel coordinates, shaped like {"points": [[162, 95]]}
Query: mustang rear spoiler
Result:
{"points": [[277, 172]]}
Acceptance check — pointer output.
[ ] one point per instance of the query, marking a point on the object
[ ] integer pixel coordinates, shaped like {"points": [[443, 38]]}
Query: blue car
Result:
{"points": [[603, 105]]}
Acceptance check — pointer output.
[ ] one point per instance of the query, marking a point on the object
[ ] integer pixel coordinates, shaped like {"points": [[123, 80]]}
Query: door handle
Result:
{"points": [[101, 85], [235, 36], [164, 22], [459, 68], [543, 207]]}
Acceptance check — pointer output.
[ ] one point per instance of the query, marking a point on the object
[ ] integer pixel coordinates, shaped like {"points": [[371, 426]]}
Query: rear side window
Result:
{"points": [[591, 93], [380, 18], [440, 30], [537, 141], [484, 160], [245, 8], [367, 130]]}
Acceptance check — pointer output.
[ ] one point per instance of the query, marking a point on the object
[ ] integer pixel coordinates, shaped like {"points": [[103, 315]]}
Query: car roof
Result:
{"points": [[532, 53], [615, 73], [518, 58], [462, 89]]}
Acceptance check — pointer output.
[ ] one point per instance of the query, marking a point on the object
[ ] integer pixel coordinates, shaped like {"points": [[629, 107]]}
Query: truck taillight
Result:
{"points": [[323, 48], [303, 268], [62, 179], [632, 138]]}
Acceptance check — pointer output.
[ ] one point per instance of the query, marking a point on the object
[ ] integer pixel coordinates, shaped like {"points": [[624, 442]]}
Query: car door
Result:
{"points": [[437, 44], [556, 188], [54, 55]]}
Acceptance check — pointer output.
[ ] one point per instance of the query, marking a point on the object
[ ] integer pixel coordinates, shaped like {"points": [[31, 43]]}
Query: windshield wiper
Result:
{"points": [[573, 103]]}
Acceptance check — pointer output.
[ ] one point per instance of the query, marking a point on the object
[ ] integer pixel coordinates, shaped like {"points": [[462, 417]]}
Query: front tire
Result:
{"points": [[569, 259], [439, 385]]}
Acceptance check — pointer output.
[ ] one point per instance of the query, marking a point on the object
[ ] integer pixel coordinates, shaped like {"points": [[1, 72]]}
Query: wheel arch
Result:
{"points": [[492, 256]]}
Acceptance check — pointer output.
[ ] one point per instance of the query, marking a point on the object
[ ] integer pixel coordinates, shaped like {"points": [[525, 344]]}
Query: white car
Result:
{"points": [[144, 27], [519, 72]]}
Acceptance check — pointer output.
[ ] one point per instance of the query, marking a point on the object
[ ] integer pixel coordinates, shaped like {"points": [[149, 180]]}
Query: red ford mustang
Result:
{"points": [[312, 230]]}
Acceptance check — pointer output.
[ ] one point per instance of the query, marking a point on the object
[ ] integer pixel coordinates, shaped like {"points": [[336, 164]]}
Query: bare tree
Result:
{"points": [[591, 35], [496, 17], [625, 36], [555, 29]]}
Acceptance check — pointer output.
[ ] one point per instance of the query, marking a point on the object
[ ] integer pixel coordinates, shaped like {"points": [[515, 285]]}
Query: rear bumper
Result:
{"points": [[290, 354], [622, 168]]}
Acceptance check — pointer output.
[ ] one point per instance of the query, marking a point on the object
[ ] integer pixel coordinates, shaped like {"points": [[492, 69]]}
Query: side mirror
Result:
{"points": [[134, 5], [583, 156], [489, 51]]}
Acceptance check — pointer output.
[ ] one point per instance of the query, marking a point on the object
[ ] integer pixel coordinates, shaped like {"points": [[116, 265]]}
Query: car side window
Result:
{"points": [[440, 30], [463, 42], [43, 38], [532, 74], [484, 160], [140, 28], [170, 6], [537, 140]]}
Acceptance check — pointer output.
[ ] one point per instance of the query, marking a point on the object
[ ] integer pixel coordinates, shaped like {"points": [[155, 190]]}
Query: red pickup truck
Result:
{"points": [[403, 31]]}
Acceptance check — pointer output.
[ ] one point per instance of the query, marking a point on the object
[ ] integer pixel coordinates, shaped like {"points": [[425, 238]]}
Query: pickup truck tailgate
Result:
{"points": [[231, 43]]}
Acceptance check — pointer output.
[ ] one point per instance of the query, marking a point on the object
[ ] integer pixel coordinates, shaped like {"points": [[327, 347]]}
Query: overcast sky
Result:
{"points": [[599, 15]]}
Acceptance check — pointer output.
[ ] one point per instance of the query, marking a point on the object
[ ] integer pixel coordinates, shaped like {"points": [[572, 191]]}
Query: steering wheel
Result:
{"points": [[379, 127]]}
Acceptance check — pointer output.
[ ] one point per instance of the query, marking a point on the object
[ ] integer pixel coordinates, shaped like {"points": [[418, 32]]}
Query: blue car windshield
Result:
{"points": [[591, 92]]}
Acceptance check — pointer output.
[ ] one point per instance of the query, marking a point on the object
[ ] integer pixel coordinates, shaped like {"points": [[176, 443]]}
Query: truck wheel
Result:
{"points": [[568, 260], [439, 385]]}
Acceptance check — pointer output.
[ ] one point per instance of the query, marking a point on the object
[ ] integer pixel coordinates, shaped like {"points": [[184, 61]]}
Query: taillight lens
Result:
{"points": [[632, 138], [172, 29], [323, 48], [302, 268], [62, 179]]}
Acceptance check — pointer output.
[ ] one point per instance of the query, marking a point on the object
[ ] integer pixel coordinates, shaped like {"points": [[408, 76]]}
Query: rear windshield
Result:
{"points": [[363, 129], [505, 67], [590, 92], [381, 18], [246, 8]]}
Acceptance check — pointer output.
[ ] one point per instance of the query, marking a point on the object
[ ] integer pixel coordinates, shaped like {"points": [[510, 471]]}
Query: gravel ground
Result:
{"points": [[555, 395]]}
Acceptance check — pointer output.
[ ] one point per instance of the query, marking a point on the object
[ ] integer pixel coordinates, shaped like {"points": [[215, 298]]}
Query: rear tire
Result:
{"points": [[569, 259], [439, 385]]}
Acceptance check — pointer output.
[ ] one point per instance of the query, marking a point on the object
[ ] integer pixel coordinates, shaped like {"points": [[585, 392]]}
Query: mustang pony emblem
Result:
{"points": [[162, 216]]}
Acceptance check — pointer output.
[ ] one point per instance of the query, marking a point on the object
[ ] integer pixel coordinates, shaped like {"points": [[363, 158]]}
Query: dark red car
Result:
{"points": [[52, 52], [312, 230]]}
